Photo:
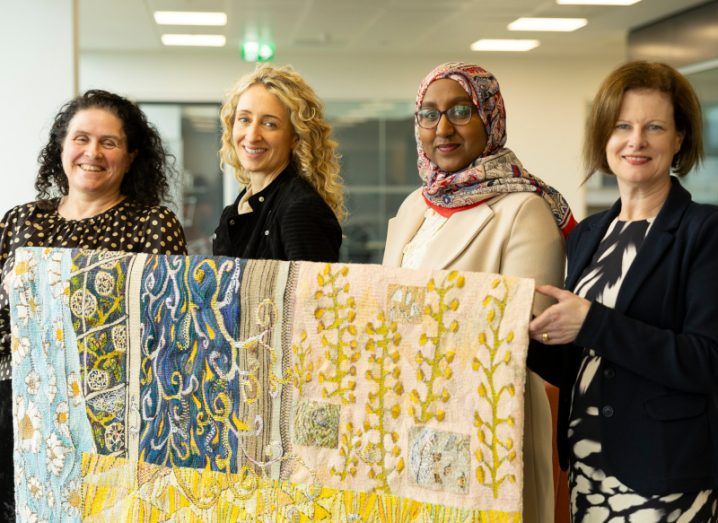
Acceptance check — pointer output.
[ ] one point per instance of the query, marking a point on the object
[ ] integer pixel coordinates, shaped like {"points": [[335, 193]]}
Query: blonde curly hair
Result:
{"points": [[314, 156]]}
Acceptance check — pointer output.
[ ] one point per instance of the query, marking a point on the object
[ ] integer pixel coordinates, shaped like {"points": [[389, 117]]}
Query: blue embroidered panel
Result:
{"points": [[189, 378]]}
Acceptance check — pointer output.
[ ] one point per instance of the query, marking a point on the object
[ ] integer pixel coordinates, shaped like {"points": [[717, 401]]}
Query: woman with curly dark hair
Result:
{"points": [[103, 174]]}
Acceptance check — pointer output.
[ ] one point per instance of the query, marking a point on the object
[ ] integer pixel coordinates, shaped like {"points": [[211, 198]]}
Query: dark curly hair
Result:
{"points": [[147, 179]]}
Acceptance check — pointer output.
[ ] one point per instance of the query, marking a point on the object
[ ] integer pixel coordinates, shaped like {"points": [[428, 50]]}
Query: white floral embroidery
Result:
{"points": [[21, 311], [25, 266], [26, 306], [58, 333], [34, 487], [54, 275], [74, 389], [32, 381], [20, 348], [62, 416], [19, 469], [104, 283], [72, 499], [119, 337], [115, 437], [98, 379], [28, 426], [26, 515], [51, 389], [55, 454], [83, 303]]}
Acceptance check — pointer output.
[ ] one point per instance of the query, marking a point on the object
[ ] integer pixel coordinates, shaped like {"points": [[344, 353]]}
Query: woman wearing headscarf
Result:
{"points": [[479, 209]]}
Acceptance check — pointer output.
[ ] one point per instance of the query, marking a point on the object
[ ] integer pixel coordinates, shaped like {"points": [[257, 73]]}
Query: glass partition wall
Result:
{"points": [[378, 159], [703, 182]]}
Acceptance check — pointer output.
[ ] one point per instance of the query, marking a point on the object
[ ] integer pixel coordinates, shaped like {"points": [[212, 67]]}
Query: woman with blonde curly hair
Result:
{"points": [[277, 140]]}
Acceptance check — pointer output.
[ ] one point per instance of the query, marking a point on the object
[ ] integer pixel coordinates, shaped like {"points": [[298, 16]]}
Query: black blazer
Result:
{"points": [[290, 221], [659, 349]]}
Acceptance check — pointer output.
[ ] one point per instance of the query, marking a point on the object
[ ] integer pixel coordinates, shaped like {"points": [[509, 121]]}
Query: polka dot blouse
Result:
{"points": [[128, 226]]}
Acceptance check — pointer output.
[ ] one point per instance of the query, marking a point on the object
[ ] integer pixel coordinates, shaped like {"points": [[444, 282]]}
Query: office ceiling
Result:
{"points": [[367, 26]]}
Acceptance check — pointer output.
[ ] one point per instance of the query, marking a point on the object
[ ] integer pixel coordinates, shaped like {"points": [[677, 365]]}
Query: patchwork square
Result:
{"points": [[439, 460], [405, 303], [316, 424]]}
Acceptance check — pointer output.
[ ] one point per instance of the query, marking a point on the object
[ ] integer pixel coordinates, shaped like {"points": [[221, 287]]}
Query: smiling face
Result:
{"points": [[94, 153], [644, 140], [451, 147], [262, 133]]}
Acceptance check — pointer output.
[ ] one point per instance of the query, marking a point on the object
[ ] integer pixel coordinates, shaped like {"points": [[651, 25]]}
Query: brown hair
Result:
{"points": [[652, 76]]}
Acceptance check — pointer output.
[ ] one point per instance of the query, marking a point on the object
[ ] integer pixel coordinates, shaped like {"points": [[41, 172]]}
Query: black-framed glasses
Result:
{"points": [[458, 115]]}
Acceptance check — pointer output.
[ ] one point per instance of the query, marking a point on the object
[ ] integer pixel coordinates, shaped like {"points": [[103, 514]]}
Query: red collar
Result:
{"points": [[446, 212]]}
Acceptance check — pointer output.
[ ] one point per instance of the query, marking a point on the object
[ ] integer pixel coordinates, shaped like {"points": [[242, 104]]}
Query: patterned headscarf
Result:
{"points": [[497, 170]]}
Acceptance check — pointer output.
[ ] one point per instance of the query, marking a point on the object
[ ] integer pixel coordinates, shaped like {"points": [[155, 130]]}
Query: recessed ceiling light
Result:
{"points": [[190, 18], [597, 2], [547, 24], [504, 45], [198, 40]]}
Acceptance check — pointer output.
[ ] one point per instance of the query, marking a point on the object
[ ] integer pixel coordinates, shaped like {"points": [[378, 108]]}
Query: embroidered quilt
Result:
{"points": [[171, 388]]}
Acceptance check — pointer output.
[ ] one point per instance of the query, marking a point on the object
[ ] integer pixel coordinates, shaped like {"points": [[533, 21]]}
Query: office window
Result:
{"points": [[703, 182], [192, 133], [378, 159]]}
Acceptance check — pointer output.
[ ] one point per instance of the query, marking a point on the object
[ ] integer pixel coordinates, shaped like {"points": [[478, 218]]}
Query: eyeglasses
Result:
{"points": [[457, 115]]}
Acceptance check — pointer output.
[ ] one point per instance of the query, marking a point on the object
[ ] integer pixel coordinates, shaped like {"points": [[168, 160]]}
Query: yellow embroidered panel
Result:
{"points": [[410, 383], [115, 489]]}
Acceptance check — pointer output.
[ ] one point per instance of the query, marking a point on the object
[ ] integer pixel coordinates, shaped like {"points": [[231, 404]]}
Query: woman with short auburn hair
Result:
{"points": [[607, 106], [633, 345]]}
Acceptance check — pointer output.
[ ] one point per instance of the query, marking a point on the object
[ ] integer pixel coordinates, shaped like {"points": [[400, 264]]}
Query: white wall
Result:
{"points": [[546, 99], [37, 64]]}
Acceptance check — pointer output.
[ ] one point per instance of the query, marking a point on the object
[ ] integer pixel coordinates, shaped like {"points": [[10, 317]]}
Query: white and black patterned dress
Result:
{"points": [[597, 495]]}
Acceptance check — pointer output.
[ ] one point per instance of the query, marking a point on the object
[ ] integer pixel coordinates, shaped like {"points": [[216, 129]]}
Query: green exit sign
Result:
{"points": [[253, 51]]}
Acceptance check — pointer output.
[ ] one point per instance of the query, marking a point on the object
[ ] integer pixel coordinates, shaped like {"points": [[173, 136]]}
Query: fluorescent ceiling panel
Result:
{"points": [[597, 2], [190, 18], [547, 24], [504, 45], [194, 40]]}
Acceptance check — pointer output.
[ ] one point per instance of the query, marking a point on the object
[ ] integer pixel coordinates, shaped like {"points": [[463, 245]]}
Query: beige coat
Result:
{"points": [[513, 234]]}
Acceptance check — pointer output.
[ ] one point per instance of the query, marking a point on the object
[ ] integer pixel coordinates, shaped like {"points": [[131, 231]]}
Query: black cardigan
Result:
{"points": [[289, 221], [659, 349]]}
